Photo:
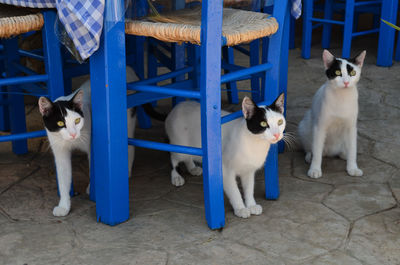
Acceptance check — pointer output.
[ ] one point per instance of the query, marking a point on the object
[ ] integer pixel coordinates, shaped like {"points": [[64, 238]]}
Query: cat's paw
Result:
{"points": [[177, 179], [308, 157], [256, 209], [242, 213], [355, 172], [314, 173], [196, 171], [60, 211]]}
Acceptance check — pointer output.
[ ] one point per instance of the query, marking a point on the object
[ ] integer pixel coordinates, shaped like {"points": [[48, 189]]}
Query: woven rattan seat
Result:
{"points": [[17, 20], [239, 26]]}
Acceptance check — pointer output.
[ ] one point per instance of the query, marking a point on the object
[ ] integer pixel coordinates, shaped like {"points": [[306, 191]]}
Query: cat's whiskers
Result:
{"points": [[290, 140]]}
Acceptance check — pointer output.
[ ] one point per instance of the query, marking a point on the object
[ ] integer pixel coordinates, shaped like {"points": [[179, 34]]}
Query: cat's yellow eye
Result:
{"points": [[263, 124], [78, 120], [280, 122], [338, 72], [60, 123], [353, 73]]}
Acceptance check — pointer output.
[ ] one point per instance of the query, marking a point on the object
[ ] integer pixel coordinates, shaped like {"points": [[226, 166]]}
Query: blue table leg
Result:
{"points": [[211, 111], [109, 141], [386, 33]]}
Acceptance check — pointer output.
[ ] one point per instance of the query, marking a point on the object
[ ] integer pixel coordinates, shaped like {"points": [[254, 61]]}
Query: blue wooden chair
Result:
{"points": [[351, 8], [202, 81], [13, 85]]}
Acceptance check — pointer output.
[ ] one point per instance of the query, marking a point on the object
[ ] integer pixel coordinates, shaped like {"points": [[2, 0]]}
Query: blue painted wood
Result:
{"points": [[272, 85], [348, 28], [386, 33], [143, 119], [307, 28], [4, 112], [166, 147], [292, 33], [178, 62], [397, 56], [228, 55], [327, 27], [211, 28], [255, 60], [16, 106], [52, 55], [283, 73], [109, 141], [20, 136]]}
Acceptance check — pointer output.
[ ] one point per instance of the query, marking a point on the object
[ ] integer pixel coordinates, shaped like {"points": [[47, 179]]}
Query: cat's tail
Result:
{"points": [[149, 109], [292, 141]]}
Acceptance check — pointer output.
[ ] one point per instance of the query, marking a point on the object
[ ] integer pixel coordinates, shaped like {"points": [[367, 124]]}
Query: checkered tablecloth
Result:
{"points": [[83, 19]]}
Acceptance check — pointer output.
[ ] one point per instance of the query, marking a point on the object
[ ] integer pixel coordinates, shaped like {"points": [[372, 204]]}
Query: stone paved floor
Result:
{"points": [[336, 219]]}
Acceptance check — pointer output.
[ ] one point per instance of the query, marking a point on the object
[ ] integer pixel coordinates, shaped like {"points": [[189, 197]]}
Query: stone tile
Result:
{"points": [[374, 129], [357, 200], [292, 230], [217, 251], [12, 173], [35, 243], [376, 239], [334, 258], [395, 185], [388, 152], [334, 170]]}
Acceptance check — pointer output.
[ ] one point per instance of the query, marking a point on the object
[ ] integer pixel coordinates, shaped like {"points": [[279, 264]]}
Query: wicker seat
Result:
{"points": [[183, 25], [17, 20]]}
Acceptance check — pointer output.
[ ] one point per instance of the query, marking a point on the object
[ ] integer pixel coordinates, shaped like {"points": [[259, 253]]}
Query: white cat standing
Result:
{"points": [[245, 145], [329, 128], [67, 121]]}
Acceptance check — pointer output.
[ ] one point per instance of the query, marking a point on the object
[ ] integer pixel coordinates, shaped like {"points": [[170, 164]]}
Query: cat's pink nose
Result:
{"points": [[346, 84], [276, 136], [73, 135]]}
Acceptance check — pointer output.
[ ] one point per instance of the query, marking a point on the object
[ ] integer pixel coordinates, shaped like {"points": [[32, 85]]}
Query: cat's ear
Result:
{"points": [[248, 107], [45, 106], [280, 103], [328, 59], [78, 99], [359, 59]]}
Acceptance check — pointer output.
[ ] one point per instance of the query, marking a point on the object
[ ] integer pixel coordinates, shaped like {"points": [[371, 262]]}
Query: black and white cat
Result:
{"points": [[245, 145], [67, 121], [329, 128]]}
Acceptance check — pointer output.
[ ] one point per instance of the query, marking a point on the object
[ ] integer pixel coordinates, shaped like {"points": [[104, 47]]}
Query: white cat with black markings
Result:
{"points": [[329, 128], [67, 121], [245, 145]]}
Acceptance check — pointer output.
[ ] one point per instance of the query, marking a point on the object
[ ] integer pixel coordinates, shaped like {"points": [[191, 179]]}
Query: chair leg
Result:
{"points": [[16, 102], [397, 56], [232, 92], [211, 114], [307, 29], [348, 28], [292, 33], [255, 60], [386, 33], [178, 61], [4, 112], [327, 27]]}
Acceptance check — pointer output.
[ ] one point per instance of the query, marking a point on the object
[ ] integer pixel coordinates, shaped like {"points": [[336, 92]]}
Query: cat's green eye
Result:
{"points": [[338, 72], [353, 73], [78, 120], [60, 123], [263, 124], [280, 122]]}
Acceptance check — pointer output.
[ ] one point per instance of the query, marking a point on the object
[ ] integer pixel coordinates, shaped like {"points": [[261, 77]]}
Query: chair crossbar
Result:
{"points": [[166, 90], [327, 21], [242, 50], [166, 147], [360, 33], [23, 69], [31, 54], [364, 3], [21, 136], [248, 71], [23, 80], [163, 77]]}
